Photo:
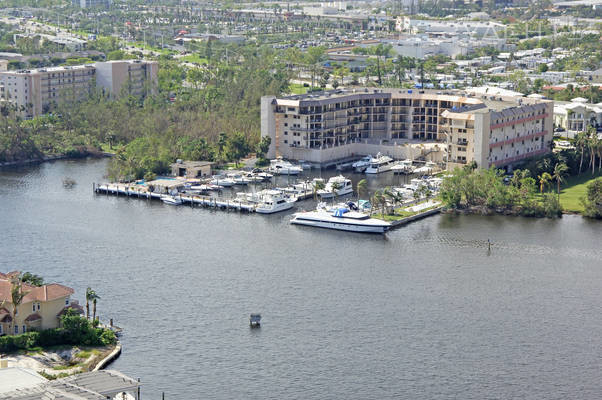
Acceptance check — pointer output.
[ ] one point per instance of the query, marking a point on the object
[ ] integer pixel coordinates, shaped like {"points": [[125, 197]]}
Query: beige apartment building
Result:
{"points": [[36, 91], [41, 307], [452, 128]]}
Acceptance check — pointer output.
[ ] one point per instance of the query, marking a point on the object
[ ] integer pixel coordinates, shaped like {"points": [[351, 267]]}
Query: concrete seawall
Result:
{"points": [[407, 220], [102, 364]]}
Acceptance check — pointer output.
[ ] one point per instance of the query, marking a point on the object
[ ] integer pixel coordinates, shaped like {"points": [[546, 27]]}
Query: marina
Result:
{"points": [[432, 281], [256, 192]]}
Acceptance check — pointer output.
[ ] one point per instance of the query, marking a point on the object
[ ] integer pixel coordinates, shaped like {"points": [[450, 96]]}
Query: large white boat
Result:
{"points": [[344, 187], [273, 201], [380, 164], [341, 219], [361, 165], [281, 167]]}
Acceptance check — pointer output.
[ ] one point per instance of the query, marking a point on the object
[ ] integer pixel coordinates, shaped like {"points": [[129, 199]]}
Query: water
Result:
{"points": [[422, 313]]}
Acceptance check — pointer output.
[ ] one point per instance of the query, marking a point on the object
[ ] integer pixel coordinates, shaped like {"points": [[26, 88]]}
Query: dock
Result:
{"points": [[118, 189]]}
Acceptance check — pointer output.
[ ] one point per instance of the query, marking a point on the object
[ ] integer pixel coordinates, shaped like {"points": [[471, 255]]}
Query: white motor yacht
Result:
{"points": [[273, 201], [403, 167], [361, 165], [344, 187], [380, 164], [222, 181], [341, 219], [171, 200], [238, 179], [281, 167]]}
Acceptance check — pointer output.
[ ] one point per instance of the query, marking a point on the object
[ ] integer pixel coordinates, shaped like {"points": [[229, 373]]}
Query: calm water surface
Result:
{"points": [[422, 313]]}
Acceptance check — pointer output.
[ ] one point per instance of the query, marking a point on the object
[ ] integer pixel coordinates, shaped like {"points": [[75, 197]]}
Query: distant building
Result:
{"points": [[92, 3], [446, 126], [575, 116], [41, 307], [136, 77], [36, 91]]}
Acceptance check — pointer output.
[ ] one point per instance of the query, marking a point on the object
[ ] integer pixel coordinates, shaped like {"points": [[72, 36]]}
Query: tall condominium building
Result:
{"points": [[134, 77], [35, 92], [450, 127], [92, 3]]}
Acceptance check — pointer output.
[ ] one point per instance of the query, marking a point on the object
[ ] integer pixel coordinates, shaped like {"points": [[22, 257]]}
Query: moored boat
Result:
{"points": [[341, 219]]}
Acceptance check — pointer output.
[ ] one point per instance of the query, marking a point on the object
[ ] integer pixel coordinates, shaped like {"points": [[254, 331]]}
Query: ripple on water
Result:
{"points": [[424, 313]]}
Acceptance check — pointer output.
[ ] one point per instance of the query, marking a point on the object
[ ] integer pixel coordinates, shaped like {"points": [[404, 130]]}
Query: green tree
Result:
{"points": [[314, 57], [361, 187], [544, 178], [238, 146], [263, 147], [560, 172], [16, 295], [32, 279], [592, 201], [318, 185]]}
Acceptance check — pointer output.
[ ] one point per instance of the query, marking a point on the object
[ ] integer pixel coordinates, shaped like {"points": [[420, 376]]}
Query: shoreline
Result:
{"points": [[61, 361], [22, 163]]}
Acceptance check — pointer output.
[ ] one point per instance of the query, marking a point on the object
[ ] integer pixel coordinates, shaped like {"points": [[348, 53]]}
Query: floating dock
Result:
{"points": [[206, 201]]}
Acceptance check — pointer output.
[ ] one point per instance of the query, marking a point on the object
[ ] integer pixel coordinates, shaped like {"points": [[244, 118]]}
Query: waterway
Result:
{"points": [[425, 312]]}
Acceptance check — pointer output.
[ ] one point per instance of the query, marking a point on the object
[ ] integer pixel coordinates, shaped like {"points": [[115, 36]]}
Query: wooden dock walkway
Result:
{"points": [[118, 189]]}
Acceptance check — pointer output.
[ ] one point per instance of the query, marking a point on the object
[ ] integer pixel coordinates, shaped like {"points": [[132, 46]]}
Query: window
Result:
{"points": [[16, 329], [286, 141], [38, 306], [67, 301], [285, 124], [24, 330], [34, 307]]}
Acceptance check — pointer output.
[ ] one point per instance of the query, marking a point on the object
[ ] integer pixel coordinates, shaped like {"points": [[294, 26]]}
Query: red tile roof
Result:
{"points": [[33, 317], [48, 292]]}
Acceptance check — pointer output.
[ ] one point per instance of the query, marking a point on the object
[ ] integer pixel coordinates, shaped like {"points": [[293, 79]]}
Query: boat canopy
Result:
{"points": [[339, 212]]}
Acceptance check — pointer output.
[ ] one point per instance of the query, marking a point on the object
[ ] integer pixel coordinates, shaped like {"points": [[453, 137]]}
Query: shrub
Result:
{"points": [[107, 337], [51, 337]]}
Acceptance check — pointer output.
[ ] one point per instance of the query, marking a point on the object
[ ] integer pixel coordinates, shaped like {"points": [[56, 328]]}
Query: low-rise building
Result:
{"points": [[41, 308], [452, 127], [575, 116], [191, 169]]}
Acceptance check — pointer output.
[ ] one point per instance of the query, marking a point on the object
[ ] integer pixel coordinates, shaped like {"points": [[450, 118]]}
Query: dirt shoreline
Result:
{"points": [[62, 360]]}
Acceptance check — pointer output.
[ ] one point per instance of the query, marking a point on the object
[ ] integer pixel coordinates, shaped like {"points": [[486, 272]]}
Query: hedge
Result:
{"points": [[74, 330]]}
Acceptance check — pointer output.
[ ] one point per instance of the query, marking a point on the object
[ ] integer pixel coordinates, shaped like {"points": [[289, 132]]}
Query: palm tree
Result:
{"points": [[544, 178], [581, 143], [16, 296], [560, 171], [361, 188], [318, 185], [334, 188], [94, 298], [89, 297]]}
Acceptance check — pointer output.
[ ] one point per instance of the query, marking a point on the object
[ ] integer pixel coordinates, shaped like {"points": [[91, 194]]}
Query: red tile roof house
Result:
{"points": [[41, 307]]}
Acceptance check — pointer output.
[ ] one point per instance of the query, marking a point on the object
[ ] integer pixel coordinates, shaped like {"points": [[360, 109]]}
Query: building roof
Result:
{"points": [[17, 378], [48, 292], [87, 386], [33, 317]]}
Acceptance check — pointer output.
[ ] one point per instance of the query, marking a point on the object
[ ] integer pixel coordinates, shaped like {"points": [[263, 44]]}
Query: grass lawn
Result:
{"points": [[194, 58], [573, 189], [297, 88]]}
